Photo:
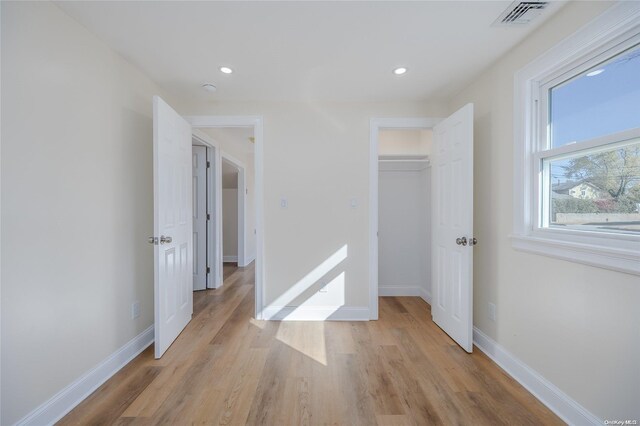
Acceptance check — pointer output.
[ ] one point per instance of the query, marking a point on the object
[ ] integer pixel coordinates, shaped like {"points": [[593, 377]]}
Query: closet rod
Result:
{"points": [[424, 160]]}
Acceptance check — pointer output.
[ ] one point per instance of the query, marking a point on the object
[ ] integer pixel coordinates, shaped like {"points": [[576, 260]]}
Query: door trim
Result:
{"points": [[377, 124], [256, 122]]}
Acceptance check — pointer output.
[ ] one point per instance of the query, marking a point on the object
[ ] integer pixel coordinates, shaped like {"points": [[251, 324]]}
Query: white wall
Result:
{"points": [[404, 237], [316, 155], [577, 325], [77, 203], [230, 223]]}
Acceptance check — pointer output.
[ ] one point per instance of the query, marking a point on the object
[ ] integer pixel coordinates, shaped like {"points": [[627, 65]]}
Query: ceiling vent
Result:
{"points": [[521, 13]]}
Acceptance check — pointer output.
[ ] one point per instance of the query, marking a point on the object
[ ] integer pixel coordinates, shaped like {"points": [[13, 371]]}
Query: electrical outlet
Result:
{"points": [[135, 310], [492, 311]]}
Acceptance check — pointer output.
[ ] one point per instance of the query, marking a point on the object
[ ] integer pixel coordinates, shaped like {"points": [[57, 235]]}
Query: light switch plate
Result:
{"points": [[135, 310], [492, 311]]}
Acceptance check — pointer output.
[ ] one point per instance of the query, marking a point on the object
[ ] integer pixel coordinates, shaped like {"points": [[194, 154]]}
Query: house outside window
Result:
{"points": [[577, 145]]}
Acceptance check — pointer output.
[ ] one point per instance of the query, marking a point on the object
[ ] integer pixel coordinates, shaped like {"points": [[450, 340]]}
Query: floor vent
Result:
{"points": [[521, 13]]}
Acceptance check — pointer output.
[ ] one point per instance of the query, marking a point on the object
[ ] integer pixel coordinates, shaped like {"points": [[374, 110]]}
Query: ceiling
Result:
{"points": [[299, 51]]}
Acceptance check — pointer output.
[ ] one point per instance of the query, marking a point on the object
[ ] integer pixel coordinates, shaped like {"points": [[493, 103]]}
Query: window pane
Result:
{"points": [[598, 191], [601, 101]]}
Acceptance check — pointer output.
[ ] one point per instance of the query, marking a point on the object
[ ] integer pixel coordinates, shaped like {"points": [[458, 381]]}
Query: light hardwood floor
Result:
{"points": [[228, 369]]}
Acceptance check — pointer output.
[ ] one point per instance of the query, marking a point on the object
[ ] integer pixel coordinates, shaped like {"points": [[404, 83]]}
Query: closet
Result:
{"points": [[404, 254]]}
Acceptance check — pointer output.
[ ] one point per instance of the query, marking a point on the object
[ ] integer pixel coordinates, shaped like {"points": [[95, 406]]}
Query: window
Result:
{"points": [[577, 184], [590, 160]]}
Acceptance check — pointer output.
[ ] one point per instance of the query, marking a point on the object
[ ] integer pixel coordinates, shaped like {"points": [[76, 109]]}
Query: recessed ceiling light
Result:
{"points": [[226, 70], [400, 71], [209, 87], [595, 72]]}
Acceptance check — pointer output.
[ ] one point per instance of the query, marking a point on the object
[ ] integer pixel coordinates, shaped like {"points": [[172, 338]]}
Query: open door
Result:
{"points": [[173, 216], [200, 218], [452, 226]]}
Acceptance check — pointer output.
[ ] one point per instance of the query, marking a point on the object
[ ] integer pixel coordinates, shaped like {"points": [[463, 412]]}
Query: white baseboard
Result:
{"points": [[557, 401], [315, 313], [249, 259], [229, 258], [404, 290], [64, 401], [398, 290], [426, 295]]}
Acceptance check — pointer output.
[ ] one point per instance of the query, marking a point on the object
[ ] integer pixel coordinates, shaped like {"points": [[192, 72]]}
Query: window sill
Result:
{"points": [[617, 259]]}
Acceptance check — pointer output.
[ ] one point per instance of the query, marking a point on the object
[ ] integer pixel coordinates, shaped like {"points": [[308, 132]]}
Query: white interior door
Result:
{"points": [[199, 217], [452, 226], [173, 252]]}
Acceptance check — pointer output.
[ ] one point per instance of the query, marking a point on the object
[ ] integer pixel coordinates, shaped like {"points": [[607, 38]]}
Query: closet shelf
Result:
{"points": [[409, 163]]}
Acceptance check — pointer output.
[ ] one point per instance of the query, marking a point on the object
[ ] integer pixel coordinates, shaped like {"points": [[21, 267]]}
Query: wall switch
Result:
{"points": [[135, 310], [284, 203], [492, 311], [354, 202]]}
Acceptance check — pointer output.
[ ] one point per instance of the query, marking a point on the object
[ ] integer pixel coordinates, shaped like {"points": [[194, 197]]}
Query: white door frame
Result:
{"points": [[256, 122], [214, 205], [377, 124], [241, 255]]}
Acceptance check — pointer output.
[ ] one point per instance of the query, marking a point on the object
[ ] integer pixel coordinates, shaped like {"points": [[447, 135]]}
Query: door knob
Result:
{"points": [[473, 241], [165, 240], [461, 241], [152, 240]]}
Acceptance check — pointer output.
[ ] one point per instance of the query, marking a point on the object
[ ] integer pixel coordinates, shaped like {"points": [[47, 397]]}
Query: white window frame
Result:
{"points": [[614, 31]]}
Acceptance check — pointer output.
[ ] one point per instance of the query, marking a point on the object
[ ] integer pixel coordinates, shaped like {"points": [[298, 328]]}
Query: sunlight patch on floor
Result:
{"points": [[306, 337]]}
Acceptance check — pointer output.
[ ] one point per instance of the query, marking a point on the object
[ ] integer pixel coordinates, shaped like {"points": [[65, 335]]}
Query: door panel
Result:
{"points": [[199, 160], [452, 189], [173, 230]]}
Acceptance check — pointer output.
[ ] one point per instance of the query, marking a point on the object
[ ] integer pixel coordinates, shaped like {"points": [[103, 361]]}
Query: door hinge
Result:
{"points": [[208, 216], [208, 164], [208, 270]]}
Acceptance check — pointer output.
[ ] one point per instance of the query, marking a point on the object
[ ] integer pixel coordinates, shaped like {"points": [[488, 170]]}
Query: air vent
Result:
{"points": [[521, 13]]}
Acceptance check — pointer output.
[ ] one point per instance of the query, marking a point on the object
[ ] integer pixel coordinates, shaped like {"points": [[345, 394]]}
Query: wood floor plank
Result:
{"points": [[226, 368], [371, 363], [105, 406], [394, 420], [269, 396], [238, 400], [413, 397], [355, 405]]}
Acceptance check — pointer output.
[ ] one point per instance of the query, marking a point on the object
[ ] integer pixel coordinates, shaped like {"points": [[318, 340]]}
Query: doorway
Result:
{"points": [[223, 190], [216, 130], [378, 125], [404, 260]]}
